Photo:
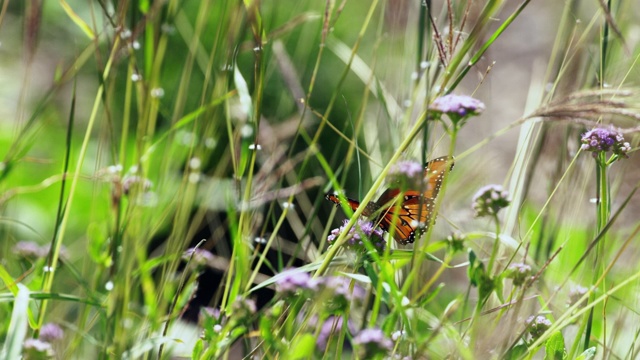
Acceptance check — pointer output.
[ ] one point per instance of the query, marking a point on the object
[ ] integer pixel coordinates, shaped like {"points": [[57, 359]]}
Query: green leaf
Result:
{"points": [[478, 277], [198, 349], [246, 104], [516, 352], [302, 347], [86, 29], [554, 347], [474, 269], [588, 354], [17, 332]]}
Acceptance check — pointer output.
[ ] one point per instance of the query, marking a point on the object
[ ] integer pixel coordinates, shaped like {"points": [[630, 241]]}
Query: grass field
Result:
{"points": [[181, 179]]}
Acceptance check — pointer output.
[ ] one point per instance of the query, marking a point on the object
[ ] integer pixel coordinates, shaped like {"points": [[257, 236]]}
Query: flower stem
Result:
{"points": [[603, 213], [494, 251]]}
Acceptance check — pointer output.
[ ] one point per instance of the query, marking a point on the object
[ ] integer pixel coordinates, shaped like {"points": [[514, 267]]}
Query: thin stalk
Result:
{"points": [[494, 251], [52, 264], [417, 257], [603, 213]]}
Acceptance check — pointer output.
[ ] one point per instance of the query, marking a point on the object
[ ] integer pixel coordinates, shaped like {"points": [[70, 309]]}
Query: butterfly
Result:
{"points": [[412, 215]]}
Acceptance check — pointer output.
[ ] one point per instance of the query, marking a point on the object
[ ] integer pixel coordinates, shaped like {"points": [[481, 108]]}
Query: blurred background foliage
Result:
{"points": [[160, 83]]}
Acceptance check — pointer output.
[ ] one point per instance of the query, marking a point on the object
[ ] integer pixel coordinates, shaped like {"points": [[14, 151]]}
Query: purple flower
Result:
{"points": [[244, 307], [211, 312], [605, 139], [576, 293], [132, 181], [330, 327], [355, 240], [537, 325], [407, 174], [293, 281], [372, 342], [489, 200], [37, 349], [519, 272], [339, 292], [30, 249], [51, 332], [457, 105]]}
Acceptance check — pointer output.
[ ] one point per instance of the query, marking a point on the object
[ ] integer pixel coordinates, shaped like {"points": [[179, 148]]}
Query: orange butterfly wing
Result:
{"points": [[414, 212]]}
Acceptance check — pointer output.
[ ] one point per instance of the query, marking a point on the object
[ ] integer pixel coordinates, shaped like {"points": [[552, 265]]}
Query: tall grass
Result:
{"points": [[165, 166]]}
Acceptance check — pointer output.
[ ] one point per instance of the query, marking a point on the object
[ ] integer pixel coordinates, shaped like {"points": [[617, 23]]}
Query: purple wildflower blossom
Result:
{"points": [[576, 293], [30, 249], [293, 281], [211, 312], [537, 325], [132, 181], [605, 139], [340, 292], [457, 105], [519, 272], [332, 326], [244, 307], [36, 349], [354, 237], [372, 342], [51, 332], [406, 168], [489, 200], [211, 315]]}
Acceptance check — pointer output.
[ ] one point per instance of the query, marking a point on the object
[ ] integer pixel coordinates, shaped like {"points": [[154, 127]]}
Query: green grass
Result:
{"points": [[132, 132]]}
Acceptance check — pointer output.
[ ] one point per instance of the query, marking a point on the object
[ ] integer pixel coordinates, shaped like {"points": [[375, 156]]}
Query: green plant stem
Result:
{"points": [[494, 251], [52, 264], [418, 256], [603, 213]]}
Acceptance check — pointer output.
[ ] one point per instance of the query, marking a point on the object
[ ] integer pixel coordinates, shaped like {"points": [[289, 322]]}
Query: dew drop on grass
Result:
{"points": [[210, 143], [194, 178], [195, 163]]}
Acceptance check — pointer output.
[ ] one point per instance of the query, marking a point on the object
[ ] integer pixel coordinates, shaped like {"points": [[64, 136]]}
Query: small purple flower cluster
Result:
{"points": [[330, 327], [51, 332], [372, 343], [129, 182], [489, 200], [42, 346], [457, 105], [537, 325], [293, 281], [519, 273], [243, 307], [355, 241], [409, 174], [575, 294], [600, 140], [336, 289], [339, 291], [31, 250]]}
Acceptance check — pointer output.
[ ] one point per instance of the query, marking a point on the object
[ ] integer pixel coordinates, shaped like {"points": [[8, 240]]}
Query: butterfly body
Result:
{"points": [[411, 215]]}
